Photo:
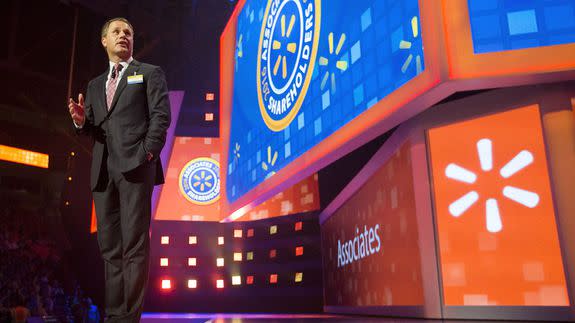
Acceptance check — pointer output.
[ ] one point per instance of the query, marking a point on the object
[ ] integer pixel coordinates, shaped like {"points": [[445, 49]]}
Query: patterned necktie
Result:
{"points": [[111, 90]]}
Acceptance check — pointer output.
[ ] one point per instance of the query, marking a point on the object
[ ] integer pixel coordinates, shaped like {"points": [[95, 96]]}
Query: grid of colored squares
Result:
{"points": [[238, 233], [236, 280]]}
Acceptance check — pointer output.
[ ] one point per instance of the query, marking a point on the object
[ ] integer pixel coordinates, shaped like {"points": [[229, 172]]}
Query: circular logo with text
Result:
{"points": [[200, 181], [286, 57]]}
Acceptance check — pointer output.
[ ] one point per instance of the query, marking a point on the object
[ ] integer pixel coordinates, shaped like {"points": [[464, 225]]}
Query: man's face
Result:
{"points": [[119, 40]]}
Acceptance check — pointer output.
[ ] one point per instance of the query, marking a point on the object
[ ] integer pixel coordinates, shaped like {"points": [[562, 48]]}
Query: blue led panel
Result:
{"points": [[498, 25], [305, 68]]}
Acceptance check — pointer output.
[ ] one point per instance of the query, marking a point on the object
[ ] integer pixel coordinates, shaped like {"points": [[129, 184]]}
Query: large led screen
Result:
{"points": [[371, 248], [498, 240], [304, 69], [192, 188]]}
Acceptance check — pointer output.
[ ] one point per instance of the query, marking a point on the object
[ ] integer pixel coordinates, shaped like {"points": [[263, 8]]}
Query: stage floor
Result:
{"points": [[278, 318]]}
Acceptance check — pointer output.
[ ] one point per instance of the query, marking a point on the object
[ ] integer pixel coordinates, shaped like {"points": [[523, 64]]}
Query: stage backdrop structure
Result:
{"points": [[303, 82]]}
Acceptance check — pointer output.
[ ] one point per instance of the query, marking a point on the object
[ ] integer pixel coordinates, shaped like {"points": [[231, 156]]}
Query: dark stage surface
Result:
{"points": [[302, 318]]}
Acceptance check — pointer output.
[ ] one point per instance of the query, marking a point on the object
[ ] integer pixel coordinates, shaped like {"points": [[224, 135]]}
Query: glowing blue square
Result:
{"points": [[355, 52], [366, 19], [372, 102], [286, 133], [230, 169], [253, 175], [358, 95], [317, 126], [522, 22], [300, 121], [396, 38], [325, 100], [258, 157], [559, 17], [249, 137], [287, 149]]}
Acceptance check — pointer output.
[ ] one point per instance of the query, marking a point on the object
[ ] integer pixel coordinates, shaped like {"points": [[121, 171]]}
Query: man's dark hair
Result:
{"points": [[107, 25]]}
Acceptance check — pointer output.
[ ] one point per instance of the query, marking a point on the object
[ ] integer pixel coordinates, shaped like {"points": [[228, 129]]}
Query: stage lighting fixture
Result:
{"points": [[165, 240], [220, 283], [237, 256], [67, 203], [249, 280], [164, 262], [250, 233], [273, 253], [210, 96], [238, 233], [298, 226], [209, 116], [192, 262], [69, 178], [250, 255], [72, 154], [192, 240], [220, 241], [220, 262], [273, 229], [236, 280], [273, 278], [166, 284], [22, 156], [192, 283], [299, 251], [298, 277]]}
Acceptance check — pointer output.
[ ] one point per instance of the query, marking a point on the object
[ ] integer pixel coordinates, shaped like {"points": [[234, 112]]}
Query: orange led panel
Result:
{"points": [[496, 223], [191, 191], [373, 241], [22, 156]]}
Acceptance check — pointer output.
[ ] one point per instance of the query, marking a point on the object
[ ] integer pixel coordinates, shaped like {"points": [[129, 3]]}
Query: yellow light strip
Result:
{"points": [[21, 156]]}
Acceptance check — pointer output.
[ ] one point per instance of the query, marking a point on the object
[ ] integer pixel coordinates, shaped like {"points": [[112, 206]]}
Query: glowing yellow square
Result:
{"points": [[238, 233], [166, 284], [273, 229], [192, 262], [250, 255], [165, 240], [193, 240], [220, 262], [237, 256], [298, 277], [220, 283], [236, 280], [164, 262], [220, 241], [192, 283]]}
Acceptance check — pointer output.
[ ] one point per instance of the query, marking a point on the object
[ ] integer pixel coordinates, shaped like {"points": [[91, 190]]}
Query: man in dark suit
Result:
{"points": [[127, 113]]}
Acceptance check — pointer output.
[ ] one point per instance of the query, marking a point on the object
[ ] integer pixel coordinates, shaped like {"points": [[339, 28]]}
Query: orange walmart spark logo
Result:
{"points": [[492, 214]]}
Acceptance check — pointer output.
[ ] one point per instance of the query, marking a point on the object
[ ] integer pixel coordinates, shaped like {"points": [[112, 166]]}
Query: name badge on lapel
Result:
{"points": [[135, 79]]}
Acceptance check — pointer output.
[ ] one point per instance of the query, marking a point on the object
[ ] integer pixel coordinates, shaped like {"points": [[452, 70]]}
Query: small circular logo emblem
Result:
{"points": [[200, 181], [286, 58]]}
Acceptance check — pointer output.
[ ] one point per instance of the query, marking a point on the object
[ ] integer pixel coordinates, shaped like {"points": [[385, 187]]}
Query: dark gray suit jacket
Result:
{"points": [[135, 125]]}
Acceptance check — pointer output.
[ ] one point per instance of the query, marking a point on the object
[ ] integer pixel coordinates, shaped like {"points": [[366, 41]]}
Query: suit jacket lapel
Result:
{"points": [[101, 88], [131, 69]]}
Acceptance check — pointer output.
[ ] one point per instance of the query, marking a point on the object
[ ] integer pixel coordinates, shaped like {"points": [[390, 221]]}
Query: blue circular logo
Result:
{"points": [[286, 58], [200, 181]]}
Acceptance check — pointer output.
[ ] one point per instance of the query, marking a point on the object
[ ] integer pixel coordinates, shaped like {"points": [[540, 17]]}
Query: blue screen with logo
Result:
{"points": [[305, 68]]}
